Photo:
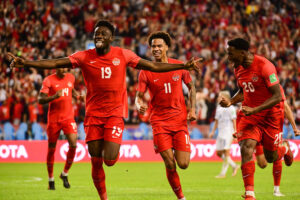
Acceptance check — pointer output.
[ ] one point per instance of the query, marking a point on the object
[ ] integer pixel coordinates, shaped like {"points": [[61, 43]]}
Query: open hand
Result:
{"points": [[193, 64], [15, 61]]}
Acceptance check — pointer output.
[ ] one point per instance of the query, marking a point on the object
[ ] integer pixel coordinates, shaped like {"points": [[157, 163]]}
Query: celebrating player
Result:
{"points": [[168, 113], [225, 121], [58, 90], [262, 114], [103, 69], [277, 165]]}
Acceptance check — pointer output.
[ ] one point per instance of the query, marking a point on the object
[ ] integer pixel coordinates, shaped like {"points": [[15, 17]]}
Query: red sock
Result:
{"points": [[280, 152], [98, 176], [70, 157], [174, 182], [277, 169], [50, 161], [248, 170], [111, 162]]}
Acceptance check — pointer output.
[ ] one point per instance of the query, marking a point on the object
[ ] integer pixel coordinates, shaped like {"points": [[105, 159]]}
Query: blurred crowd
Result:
{"points": [[42, 29]]}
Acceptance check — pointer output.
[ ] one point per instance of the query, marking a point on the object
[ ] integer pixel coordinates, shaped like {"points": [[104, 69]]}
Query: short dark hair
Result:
{"points": [[239, 43], [106, 24], [161, 35]]}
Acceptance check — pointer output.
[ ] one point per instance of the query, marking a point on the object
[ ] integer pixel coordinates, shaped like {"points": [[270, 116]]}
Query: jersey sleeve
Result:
{"points": [[76, 58], [217, 116], [131, 58], [142, 84], [46, 86], [186, 77], [232, 113], [269, 74]]}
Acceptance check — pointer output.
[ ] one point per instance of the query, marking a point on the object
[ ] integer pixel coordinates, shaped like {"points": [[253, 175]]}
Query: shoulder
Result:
{"points": [[174, 61]]}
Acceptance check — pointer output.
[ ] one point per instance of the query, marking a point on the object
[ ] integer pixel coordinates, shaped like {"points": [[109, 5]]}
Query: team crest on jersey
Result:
{"points": [[255, 78], [175, 77], [69, 84], [116, 61]]}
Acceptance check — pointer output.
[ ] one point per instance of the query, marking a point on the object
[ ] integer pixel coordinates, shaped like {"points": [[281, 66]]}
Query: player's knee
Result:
{"points": [[170, 164], [262, 164], [110, 163], [183, 165], [219, 153], [269, 158]]}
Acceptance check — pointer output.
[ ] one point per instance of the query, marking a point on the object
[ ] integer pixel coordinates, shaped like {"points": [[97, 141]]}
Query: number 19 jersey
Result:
{"points": [[167, 104], [105, 79]]}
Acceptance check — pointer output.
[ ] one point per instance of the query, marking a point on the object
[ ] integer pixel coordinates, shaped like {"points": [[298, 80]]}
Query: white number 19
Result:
{"points": [[105, 72]]}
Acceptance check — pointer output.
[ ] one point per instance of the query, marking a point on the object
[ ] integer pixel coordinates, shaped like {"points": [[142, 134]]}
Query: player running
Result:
{"points": [[103, 69], [168, 113], [225, 121], [262, 114], [58, 90], [277, 165]]}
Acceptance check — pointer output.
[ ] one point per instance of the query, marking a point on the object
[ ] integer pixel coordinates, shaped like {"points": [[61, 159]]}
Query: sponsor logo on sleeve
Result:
{"points": [[273, 78]]}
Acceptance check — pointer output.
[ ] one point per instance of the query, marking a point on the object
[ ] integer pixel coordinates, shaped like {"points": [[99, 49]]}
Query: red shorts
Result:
{"points": [[169, 139], [107, 128], [267, 130], [53, 129]]}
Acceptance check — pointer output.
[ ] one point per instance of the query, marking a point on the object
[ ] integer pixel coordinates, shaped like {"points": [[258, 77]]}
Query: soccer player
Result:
{"points": [[103, 69], [277, 165], [57, 90], [225, 121], [262, 114], [168, 113]]}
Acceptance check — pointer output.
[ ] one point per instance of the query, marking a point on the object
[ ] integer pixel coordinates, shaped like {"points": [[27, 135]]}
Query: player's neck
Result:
{"points": [[163, 59], [103, 51], [60, 76]]}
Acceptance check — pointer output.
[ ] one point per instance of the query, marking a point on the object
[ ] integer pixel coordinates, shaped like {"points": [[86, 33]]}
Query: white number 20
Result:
{"points": [[105, 72], [248, 87]]}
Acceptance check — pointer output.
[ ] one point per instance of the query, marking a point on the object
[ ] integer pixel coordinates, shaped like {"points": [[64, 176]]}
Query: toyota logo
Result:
{"points": [[80, 151]]}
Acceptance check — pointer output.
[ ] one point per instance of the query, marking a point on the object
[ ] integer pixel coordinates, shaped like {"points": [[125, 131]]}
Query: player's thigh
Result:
{"points": [[95, 147], [162, 142], [182, 158], [111, 150], [168, 158], [220, 145], [72, 139], [53, 131]]}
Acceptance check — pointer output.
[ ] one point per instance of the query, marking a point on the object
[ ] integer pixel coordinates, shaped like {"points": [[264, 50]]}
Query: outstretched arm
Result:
{"points": [[289, 115], [44, 98], [192, 98], [139, 102], [41, 64], [165, 67]]}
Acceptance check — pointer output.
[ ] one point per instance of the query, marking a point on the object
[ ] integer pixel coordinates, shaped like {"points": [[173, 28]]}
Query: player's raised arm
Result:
{"points": [[44, 98], [40, 64], [139, 102], [272, 101], [165, 67]]}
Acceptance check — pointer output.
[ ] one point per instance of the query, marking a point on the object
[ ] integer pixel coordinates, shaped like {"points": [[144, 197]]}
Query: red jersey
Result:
{"points": [[167, 105], [255, 81], [105, 79], [60, 109]]}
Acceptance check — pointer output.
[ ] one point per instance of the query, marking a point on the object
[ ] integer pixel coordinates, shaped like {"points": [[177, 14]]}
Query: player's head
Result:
{"points": [[159, 43], [60, 72], [103, 34], [237, 50], [225, 94]]}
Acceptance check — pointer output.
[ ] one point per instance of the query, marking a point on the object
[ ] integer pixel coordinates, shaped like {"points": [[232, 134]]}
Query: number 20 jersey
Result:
{"points": [[105, 79], [255, 81]]}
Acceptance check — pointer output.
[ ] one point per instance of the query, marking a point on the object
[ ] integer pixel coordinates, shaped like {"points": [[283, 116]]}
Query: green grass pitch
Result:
{"points": [[141, 181]]}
